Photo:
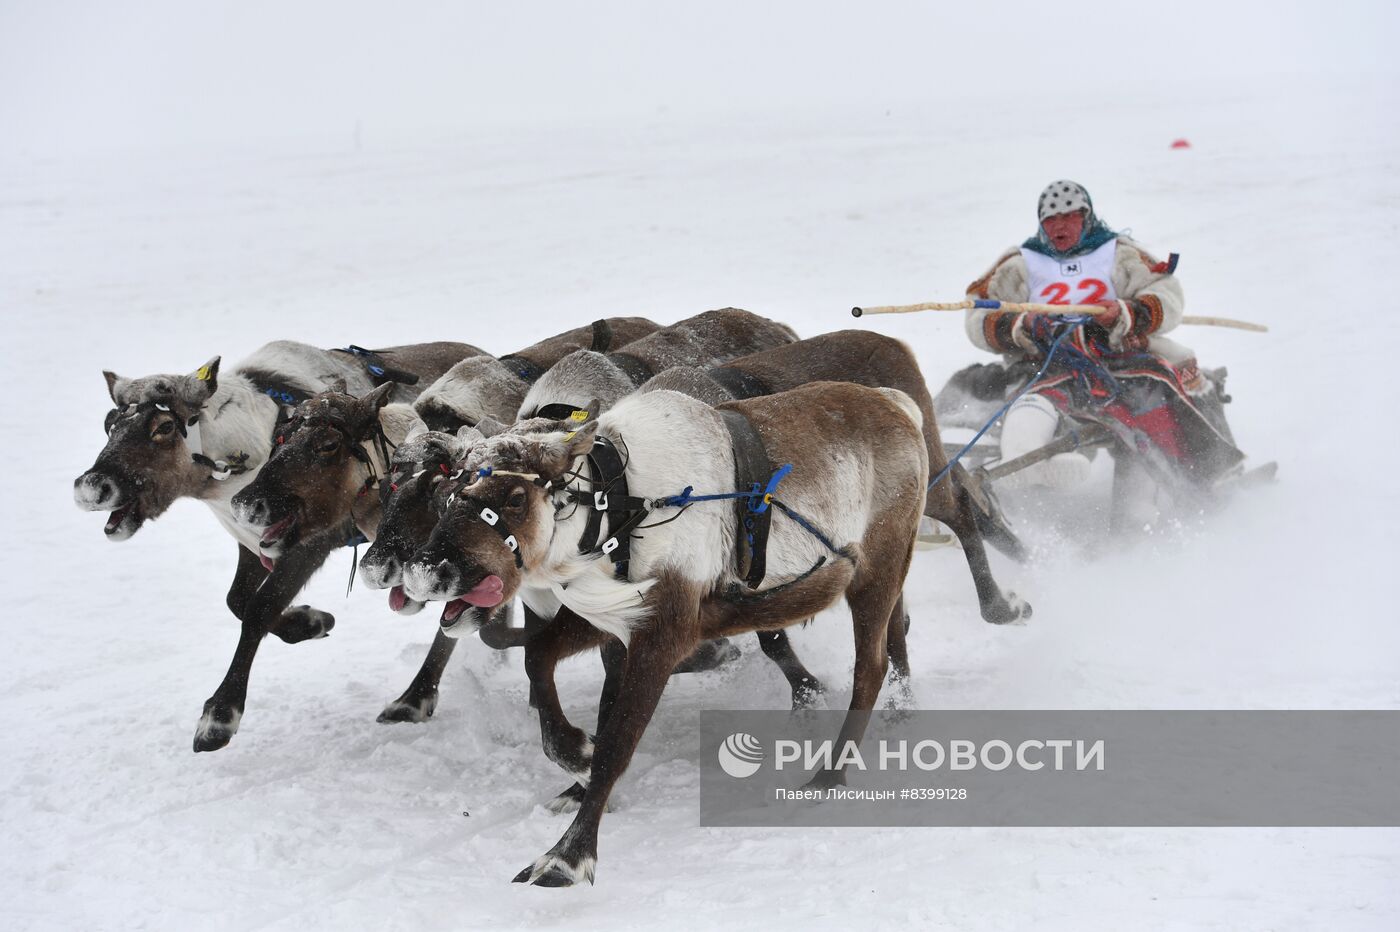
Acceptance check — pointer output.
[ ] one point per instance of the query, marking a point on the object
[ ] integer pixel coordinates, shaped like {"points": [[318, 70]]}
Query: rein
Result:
{"points": [[1075, 323]]}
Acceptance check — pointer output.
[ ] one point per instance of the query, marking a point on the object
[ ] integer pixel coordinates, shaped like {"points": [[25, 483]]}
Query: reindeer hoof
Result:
{"points": [[217, 726], [572, 798], [1012, 610], [408, 708], [567, 801], [572, 751], [826, 779], [810, 695], [303, 623], [553, 870], [708, 656], [901, 698]]}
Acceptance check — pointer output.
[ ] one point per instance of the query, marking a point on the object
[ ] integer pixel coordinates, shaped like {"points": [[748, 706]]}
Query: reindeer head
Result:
{"points": [[420, 468], [320, 465], [571, 382], [473, 389], [497, 520], [148, 462]]}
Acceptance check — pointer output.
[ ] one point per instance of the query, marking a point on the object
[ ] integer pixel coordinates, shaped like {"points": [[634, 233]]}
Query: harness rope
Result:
{"points": [[1075, 323], [759, 497]]}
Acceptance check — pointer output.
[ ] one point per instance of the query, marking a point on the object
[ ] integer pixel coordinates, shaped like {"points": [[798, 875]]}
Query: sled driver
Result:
{"points": [[1117, 369]]}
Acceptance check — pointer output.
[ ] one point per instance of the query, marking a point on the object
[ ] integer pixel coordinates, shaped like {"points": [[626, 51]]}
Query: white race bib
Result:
{"points": [[1086, 279]]}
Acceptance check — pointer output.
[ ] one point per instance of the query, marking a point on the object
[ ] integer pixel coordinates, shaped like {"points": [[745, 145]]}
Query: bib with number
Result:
{"points": [[1086, 279]]}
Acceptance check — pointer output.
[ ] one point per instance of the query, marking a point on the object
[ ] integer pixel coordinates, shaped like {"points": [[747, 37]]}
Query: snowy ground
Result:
{"points": [[316, 816]]}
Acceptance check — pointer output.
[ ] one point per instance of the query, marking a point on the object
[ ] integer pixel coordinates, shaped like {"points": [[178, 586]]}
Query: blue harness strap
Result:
{"points": [[1075, 323]]}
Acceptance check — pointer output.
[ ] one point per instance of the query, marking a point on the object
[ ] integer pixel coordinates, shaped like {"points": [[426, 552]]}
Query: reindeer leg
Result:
{"points": [[564, 743], [651, 655], [299, 623], [707, 656], [419, 700], [807, 691], [898, 651], [998, 609], [872, 608], [613, 655], [262, 602]]}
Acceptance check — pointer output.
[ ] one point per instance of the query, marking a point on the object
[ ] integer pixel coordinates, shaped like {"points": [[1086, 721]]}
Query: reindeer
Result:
{"points": [[327, 480], [708, 339], [877, 361], [205, 436], [473, 392], [859, 478], [486, 387]]}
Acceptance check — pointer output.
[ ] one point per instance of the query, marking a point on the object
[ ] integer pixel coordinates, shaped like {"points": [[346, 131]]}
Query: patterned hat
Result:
{"points": [[1063, 197]]}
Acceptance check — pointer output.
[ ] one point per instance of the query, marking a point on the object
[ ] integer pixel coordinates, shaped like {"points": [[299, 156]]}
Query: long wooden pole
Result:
{"points": [[1042, 309]]}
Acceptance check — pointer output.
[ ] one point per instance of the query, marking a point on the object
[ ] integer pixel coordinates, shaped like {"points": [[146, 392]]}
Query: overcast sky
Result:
{"points": [[84, 75]]}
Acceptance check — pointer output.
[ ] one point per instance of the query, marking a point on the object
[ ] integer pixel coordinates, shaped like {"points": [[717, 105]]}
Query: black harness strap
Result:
{"points": [[635, 369], [602, 336], [528, 371], [487, 516], [378, 367], [739, 384], [751, 470], [609, 496]]}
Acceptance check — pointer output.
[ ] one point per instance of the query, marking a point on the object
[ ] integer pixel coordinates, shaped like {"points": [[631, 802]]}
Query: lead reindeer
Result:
{"points": [[205, 436], [859, 478]]}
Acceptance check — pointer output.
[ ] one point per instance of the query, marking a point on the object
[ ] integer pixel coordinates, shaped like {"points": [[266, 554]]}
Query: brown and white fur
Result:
{"points": [[486, 387], [878, 361], [861, 469], [707, 339], [147, 465]]}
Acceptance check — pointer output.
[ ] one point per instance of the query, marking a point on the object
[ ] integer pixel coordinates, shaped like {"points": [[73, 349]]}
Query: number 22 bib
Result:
{"points": [[1086, 279]]}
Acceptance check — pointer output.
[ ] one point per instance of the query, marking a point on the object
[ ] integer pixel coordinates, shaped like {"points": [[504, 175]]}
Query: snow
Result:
{"points": [[153, 256]]}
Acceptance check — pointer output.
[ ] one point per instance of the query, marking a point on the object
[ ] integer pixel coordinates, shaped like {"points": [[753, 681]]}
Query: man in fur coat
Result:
{"points": [[1118, 369]]}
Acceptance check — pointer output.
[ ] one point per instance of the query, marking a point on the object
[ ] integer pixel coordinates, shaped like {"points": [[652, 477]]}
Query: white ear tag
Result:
{"points": [[489, 516]]}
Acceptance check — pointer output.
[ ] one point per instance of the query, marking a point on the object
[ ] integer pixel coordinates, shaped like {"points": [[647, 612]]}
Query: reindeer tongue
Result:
{"points": [[268, 565], [397, 598], [486, 593]]}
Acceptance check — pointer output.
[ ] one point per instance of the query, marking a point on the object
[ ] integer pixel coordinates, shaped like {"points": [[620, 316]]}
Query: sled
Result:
{"points": [[974, 395]]}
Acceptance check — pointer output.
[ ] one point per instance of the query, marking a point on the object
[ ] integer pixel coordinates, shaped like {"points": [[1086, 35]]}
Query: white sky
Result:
{"points": [[83, 75]]}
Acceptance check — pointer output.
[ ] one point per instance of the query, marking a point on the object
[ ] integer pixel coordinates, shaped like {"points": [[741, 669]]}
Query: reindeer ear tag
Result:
{"points": [[202, 373], [578, 416]]}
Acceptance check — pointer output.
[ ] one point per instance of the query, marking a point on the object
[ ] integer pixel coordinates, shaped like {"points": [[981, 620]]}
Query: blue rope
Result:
{"points": [[758, 497], [759, 500], [807, 526], [1076, 322]]}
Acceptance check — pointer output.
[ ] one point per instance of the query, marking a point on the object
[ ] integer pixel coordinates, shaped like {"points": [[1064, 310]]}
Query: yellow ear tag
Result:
{"points": [[570, 435], [579, 416], [203, 374]]}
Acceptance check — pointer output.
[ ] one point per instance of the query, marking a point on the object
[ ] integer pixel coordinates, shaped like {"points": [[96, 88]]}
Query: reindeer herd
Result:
{"points": [[647, 491]]}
